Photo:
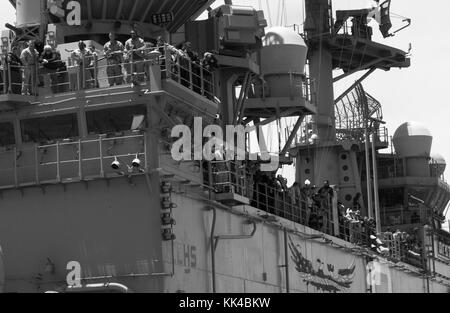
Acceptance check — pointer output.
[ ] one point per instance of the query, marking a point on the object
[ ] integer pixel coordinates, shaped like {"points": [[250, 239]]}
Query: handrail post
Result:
{"points": [[212, 85], [102, 171], [131, 67], [191, 83], [36, 163], [95, 61], [257, 195], [276, 201], [78, 78], [58, 164], [202, 82], [16, 178], [145, 151], [179, 70], [35, 83], [267, 198], [80, 161], [168, 62], [5, 75], [83, 78], [9, 78]]}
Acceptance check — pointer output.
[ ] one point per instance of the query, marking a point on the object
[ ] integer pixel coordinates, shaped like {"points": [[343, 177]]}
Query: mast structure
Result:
{"points": [[318, 30], [334, 45]]}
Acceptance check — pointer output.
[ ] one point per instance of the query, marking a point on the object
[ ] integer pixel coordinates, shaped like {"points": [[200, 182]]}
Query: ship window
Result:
{"points": [[116, 120], [7, 134], [50, 128]]}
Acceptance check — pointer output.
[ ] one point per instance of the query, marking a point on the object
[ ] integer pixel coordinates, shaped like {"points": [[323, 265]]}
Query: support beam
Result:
{"points": [[184, 13], [365, 108], [119, 10], [133, 10], [361, 68], [239, 114], [104, 9], [147, 10], [375, 184], [292, 135], [163, 115], [174, 5], [237, 107], [359, 81], [274, 118], [89, 8]]}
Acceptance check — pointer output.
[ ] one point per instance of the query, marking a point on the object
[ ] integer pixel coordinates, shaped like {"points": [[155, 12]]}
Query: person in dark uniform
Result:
{"points": [[50, 66], [209, 65], [14, 64]]}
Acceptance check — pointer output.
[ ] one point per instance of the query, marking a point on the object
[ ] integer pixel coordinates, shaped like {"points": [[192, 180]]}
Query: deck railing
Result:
{"points": [[92, 72], [71, 161], [297, 206]]}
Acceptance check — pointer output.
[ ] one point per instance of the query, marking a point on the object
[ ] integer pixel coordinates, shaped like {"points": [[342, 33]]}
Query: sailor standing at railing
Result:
{"points": [[169, 55], [114, 55], [209, 65], [49, 60], [134, 57], [82, 57], [30, 59], [186, 59], [93, 65]]}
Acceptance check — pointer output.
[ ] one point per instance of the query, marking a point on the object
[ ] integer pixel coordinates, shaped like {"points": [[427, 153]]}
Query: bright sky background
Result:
{"points": [[414, 94]]}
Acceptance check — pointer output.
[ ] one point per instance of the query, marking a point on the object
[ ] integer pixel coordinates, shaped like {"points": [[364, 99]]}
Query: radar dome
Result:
{"points": [[283, 59], [413, 140], [438, 163], [282, 36]]}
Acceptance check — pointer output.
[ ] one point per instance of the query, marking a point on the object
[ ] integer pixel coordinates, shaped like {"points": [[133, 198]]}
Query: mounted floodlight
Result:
{"points": [[162, 18], [136, 162], [116, 164]]}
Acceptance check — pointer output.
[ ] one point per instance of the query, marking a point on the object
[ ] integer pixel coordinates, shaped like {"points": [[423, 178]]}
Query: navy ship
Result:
{"points": [[115, 177]]}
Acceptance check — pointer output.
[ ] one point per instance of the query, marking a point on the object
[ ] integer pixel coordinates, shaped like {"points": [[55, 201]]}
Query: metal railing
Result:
{"points": [[70, 161], [404, 249], [396, 216], [298, 205], [443, 244], [359, 31], [190, 74], [294, 205], [93, 71], [304, 135]]}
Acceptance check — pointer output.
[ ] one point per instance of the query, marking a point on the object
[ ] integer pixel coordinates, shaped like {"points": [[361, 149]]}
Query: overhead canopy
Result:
{"points": [[141, 11]]}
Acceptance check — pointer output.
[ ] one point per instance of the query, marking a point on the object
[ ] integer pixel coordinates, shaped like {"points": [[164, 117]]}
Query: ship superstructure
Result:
{"points": [[99, 193]]}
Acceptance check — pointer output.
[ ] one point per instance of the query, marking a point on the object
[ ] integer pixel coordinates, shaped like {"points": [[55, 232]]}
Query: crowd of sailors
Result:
{"points": [[31, 65], [313, 207]]}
